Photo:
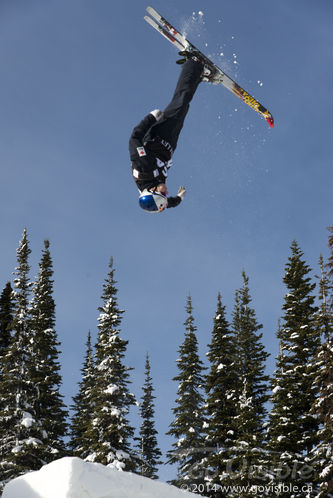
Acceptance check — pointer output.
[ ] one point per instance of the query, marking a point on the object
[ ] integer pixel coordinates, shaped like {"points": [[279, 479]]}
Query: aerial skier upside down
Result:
{"points": [[154, 140]]}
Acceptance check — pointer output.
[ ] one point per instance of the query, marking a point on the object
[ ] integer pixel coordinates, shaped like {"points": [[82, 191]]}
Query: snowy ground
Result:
{"points": [[74, 478]]}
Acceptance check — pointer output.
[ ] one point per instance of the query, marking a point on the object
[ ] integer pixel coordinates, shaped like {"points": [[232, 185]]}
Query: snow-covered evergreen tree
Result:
{"points": [[222, 386], [82, 407], [148, 449], [293, 427], [330, 258], [323, 406], [252, 391], [49, 408], [188, 424], [6, 321], [109, 431], [6, 318], [20, 430]]}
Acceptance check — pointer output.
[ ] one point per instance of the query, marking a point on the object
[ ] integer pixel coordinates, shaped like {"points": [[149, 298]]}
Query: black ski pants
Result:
{"points": [[169, 127]]}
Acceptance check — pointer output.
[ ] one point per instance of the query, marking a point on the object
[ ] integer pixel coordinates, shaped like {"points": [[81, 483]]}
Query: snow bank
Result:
{"points": [[74, 478]]}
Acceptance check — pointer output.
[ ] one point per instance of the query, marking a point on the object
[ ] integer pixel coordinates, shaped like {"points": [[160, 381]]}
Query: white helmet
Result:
{"points": [[152, 201]]}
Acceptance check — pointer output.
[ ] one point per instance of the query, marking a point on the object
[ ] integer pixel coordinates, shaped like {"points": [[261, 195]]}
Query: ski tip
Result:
{"points": [[270, 121]]}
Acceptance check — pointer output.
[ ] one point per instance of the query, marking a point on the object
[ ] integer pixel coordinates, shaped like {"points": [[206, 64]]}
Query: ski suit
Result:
{"points": [[153, 142]]}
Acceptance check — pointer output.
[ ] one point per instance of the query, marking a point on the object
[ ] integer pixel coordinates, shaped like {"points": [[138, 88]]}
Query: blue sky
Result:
{"points": [[76, 77]]}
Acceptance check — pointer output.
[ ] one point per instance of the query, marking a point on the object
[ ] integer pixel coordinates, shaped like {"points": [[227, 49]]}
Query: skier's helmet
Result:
{"points": [[151, 201]]}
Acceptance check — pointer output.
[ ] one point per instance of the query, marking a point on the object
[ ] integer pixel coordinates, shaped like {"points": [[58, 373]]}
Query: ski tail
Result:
{"points": [[167, 26], [169, 36]]}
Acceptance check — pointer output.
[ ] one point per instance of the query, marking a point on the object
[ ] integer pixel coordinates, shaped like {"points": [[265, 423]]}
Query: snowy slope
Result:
{"points": [[74, 478]]}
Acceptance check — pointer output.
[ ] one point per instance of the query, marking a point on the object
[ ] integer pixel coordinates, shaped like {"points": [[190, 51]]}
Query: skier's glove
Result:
{"points": [[181, 193], [157, 114]]}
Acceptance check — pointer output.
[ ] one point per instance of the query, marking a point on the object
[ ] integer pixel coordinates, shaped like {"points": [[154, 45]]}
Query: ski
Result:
{"points": [[174, 36], [167, 26], [164, 33]]}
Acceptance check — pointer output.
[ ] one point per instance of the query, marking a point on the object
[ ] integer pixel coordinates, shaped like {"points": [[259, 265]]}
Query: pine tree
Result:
{"points": [[82, 407], [49, 407], [20, 430], [188, 424], [222, 396], [252, 391], [109, 432], [293, 428], [148, 447], [330, 259], [323, 406], [6, 318]]}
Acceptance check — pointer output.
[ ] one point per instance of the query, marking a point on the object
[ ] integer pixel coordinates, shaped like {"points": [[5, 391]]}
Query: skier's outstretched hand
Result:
{"points": [[181, 192], [157, 114]]}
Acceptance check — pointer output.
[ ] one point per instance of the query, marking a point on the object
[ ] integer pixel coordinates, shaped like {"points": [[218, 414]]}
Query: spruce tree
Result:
{"points": [[323, 406], [82, 416], [293, 427], [147, 442], [109, 432], [49, 407], [252, 391], [330, 259], [188, 424], [6, 318], [20, 429], [221, 404]]}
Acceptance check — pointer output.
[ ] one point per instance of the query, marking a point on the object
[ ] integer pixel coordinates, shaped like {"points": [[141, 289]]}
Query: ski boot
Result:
{"points": [[187, 55], [208, 72]]}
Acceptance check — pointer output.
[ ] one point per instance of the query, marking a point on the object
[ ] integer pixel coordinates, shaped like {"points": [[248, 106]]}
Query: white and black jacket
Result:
{"points": [[151, 159]]}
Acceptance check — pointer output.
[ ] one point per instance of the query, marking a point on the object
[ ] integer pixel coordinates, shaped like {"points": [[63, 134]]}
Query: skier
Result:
{"points": [[154, 140]]}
